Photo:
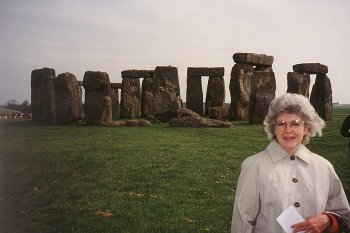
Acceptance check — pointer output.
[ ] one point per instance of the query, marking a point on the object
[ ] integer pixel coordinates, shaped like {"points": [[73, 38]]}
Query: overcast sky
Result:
{"points": [[111, 36]]}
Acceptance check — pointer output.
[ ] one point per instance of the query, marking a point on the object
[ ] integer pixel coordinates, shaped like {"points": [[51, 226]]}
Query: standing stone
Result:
{"points": [[130, 104], [98, 103], [215, 93], [147, 97], [194, 94], [298, 83], [240, 90], [262, 93], [321, 97], [43, 95], [167, 101], [115, 99], [69, 106]]}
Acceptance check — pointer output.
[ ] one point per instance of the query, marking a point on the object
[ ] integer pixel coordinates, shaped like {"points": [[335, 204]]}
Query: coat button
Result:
{"points": [[296, 204], [292, 157], [295, 180]]}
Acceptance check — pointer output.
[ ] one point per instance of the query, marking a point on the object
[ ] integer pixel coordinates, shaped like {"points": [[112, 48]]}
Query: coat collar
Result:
{"points": [[277, 153]]}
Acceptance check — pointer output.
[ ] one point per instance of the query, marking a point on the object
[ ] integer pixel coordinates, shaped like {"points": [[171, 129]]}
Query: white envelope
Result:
{"points": [[289, 217]]}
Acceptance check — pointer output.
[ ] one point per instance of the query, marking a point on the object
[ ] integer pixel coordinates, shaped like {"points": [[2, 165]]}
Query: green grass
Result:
{"points": [[151, 179]]}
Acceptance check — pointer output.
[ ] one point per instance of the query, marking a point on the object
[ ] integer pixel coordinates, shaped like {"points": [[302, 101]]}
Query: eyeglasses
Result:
{"points": [[295, 124]]}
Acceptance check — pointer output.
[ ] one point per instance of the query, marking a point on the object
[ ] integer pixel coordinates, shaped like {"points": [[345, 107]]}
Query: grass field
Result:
{"points": [[127, 179]]}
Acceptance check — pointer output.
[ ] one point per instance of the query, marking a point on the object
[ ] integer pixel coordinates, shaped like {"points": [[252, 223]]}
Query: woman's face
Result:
{"points": [[290, 130]]}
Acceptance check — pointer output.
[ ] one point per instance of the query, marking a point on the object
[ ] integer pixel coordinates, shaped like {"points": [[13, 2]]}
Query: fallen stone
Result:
{"points": [[219, 113], [189, 118]]}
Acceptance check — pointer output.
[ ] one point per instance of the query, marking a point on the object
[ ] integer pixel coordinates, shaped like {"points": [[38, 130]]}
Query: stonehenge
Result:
{"points": [[167, 102], [68, 98], [98, 103], [298, 83], [130, 103], [43, 95], [252, 87], [215, 96], [115, 99], [262, 93], [321, 93], [147, 93]]}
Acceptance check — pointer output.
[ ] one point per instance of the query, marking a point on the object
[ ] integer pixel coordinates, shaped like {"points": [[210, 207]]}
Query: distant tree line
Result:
{"points": [[25, 107]]}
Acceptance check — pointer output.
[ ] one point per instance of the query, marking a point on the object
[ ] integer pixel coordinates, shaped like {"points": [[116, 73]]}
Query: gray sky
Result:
{"points": [[115, 35]]}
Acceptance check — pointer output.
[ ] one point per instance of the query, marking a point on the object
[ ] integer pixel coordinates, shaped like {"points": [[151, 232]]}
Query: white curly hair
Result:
{"points": [[294, 104]]}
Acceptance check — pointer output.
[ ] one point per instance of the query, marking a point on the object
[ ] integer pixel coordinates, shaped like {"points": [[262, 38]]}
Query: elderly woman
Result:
{"points": [[287, 174]]}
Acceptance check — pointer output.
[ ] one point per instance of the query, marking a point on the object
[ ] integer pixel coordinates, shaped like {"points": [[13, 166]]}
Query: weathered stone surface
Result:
{"points": [[130, 104], [253, 59], [138, 122], [133, 122], [148, 87], [219, 113], [115, 102], [69, 105], [167, 101], [194, 94], [43, 95], [321, 97], [262, 93], [263, 68], [215, 93], [298, 83], [240, 90], [137, 73], [311, 68], [98, 104], [188, 118], [116, 85], [97, 80], [206, 71]]}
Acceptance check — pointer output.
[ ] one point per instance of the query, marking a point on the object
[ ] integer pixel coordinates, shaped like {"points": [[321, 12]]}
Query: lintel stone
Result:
{"points": [[253, 59], [206, 71], [116, 85], [311, 68], [137, 73]]}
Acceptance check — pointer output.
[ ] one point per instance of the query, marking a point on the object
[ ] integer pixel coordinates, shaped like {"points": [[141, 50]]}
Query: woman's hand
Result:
{"points": [[314, 224]]}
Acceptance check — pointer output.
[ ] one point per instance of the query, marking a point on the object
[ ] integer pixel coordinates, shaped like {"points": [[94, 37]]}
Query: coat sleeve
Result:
{"points": [[246, 204], [337, 201], [344, 130]]}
